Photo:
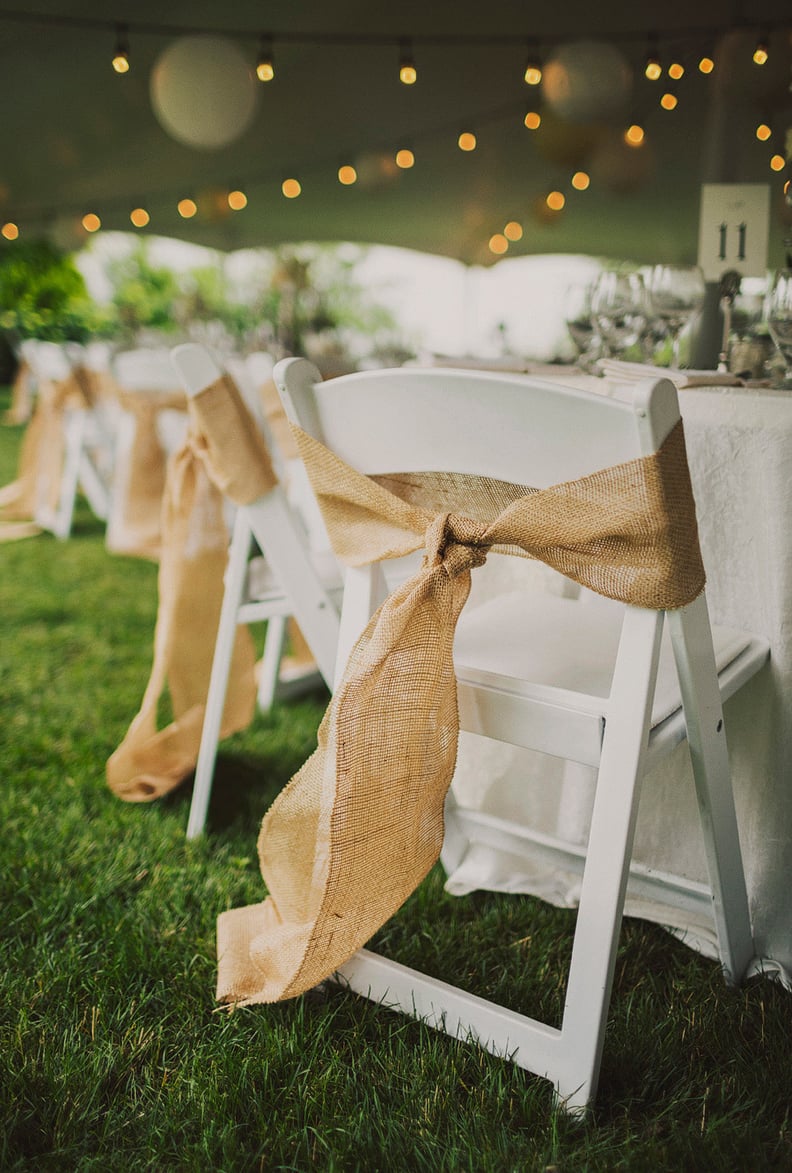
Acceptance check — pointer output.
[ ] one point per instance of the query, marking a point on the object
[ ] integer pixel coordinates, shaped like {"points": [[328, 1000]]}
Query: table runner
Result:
{"points": [[360, 825]]}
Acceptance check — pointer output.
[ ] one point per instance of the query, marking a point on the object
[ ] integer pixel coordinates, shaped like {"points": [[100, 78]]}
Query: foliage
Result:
{"points": [[43, 295], [144, 294]]}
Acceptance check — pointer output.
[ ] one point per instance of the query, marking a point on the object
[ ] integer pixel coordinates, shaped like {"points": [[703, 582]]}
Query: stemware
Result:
{"points": [[779, 320], [621, 309], [579, 321], [677, 293]]}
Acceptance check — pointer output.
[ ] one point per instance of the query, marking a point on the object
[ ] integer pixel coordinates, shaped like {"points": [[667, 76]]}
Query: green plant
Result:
{"points": [[43, 295]]}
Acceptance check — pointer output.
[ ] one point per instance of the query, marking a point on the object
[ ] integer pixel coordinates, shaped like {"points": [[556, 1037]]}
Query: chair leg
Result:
{"points": [[607, 860], [239, 553], [692, 643], [74, 428], [274, 644]]}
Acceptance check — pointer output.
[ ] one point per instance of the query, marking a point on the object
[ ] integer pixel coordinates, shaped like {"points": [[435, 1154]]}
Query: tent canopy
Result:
{"points": [[81, 138]]}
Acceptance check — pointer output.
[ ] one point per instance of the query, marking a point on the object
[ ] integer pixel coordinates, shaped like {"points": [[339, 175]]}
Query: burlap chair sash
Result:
{"points": [[361, 823], [33, 496], [150, 761]]}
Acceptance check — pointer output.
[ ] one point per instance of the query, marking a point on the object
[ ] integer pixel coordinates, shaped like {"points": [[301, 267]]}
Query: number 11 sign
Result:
{"points": [[734, 227]]}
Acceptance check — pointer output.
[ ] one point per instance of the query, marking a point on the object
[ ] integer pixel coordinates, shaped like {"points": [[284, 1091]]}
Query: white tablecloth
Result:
{"points": [[740, 451]]}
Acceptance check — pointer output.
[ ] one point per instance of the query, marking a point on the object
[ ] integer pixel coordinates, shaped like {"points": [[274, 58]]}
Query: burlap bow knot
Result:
{"points": [[360, 825]]}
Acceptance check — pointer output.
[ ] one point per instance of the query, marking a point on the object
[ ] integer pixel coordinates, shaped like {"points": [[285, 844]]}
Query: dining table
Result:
{"points": [[739, 444]]}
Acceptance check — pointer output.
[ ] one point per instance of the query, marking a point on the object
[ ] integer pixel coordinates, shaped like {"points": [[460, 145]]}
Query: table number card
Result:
{"points": [[734, 227]]}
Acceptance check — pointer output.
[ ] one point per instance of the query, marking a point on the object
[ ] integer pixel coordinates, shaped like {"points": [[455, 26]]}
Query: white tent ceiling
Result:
{"points": [[79, 138]]}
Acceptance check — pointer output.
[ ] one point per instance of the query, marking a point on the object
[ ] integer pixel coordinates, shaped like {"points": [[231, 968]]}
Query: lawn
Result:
{"points": [[113, 1053]]}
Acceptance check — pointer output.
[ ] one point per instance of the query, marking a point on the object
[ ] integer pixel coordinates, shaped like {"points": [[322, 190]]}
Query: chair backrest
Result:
{"points": [[145, 369], [538, 433]]}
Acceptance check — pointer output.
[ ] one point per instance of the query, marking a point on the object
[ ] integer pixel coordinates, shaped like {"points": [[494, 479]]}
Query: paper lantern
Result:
{"points": [[587, 81], [203, 91]]}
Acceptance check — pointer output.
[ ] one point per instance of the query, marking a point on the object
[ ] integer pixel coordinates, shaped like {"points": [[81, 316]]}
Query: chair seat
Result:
{"points": [[532, 645]]}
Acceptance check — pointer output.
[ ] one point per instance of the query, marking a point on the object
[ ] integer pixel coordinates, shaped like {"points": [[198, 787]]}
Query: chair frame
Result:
{"points": [[272, 523], [614, 734]]}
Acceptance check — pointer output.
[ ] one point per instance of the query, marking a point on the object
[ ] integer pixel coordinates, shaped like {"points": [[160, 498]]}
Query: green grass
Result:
{"points": [[113, 1055]]}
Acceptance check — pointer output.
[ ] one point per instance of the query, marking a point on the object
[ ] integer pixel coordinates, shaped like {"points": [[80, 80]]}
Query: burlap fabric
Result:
{"points": [[222, 455], [134, 525], [29, 503], [21, 407], [361, 824]]}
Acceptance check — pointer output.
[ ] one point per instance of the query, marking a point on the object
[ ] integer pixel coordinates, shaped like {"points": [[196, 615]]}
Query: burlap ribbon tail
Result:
{"points": [[360, 825], [223, 455]]}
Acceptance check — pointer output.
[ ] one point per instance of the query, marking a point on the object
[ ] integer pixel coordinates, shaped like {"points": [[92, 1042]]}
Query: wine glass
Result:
{"points": [[579, 321], [779, 320], [621, 309], [677, 293]]}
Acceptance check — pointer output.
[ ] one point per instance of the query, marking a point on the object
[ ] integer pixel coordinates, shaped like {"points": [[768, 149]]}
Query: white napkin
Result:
{"points": [[628, 372]]}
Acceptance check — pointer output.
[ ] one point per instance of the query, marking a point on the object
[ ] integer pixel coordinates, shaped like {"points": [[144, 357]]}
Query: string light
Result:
{"points": [[555, 200], [265, 64], [237, 200], [405, 158], [291, 188], [187, 208], [676, 70], [408, 74], [347, 175], [533, 69], [706, 63], [91, 222], [121, 52], [513, 230], [139, 217], [10, 231], [498, 244], [762, 51], [763, 132], [634, 135], [669, 101], [533, 120], [777, 163], [652, 67], [466, 141], [581, 180]]}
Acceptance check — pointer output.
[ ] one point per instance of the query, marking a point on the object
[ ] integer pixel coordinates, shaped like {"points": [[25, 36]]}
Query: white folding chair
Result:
{"points": [[296, 584], [87, 437], [548, 673]]}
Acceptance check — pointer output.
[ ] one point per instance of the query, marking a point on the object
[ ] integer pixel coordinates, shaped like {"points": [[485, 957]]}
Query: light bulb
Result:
{"points": [[763, 132], [634, 135], [533, 120], [580, 180], [676, 70], [139, 217], [291, 188], [405, 158], [120, 60], [498, 244], [669, 101], [777, 163], [652, 67], [466, 141], [10, 230], [347, 175], [91, 222], [761, 52], [555, 200], [408, 74], [187, 208], [533, 72], [513, 230], [706, 63], [237, 200], [265, 66]]}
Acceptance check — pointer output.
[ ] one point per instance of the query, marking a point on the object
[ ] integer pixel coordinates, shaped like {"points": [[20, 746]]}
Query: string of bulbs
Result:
{"points": [[532, 73]]}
